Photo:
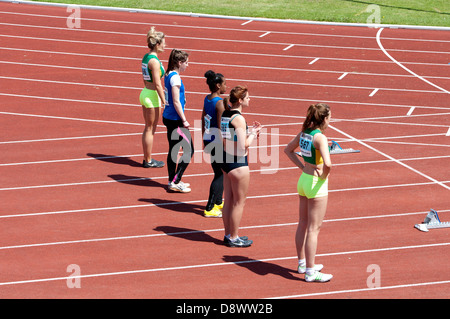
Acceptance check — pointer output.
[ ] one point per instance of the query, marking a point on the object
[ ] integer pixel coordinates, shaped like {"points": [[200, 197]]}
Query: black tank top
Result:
{"points": [[226, 127]]}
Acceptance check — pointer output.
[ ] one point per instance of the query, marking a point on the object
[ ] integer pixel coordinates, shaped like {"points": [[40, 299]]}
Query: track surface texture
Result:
{"points": [[80, 218]]}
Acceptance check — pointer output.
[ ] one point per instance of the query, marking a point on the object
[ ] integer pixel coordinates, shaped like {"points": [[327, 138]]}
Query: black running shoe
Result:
{"points": [[226, 240], [152, 163], [239, 242]]}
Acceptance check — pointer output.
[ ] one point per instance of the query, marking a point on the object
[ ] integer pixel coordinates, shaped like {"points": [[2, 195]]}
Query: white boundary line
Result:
{"points": [[390, 157], [81, 241], [315, 294], [248, 19], [86, 210], [260, 97], [286, 46], [204, 51], [230, 79], [227, 65], [184, 267], [403, 67]]}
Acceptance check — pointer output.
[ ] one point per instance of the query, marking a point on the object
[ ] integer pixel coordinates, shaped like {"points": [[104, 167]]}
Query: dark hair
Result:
{"points": [[236, 93], [316, 115], [212, 79], [175, 57]]}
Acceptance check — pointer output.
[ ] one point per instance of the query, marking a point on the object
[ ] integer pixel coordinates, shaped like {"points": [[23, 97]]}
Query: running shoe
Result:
{"points": [[181, 188], [226, 240], [318, 277], [152, 163], [185, 184], [239, 242], [302, 270], [214, 212]]}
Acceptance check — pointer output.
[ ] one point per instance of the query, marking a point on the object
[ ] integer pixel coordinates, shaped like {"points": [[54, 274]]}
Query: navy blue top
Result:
{"points": [[209, 106]]}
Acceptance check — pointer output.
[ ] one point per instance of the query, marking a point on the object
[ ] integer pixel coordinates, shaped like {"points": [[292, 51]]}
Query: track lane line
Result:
{"points": [[402, 66], [390, 157], [92, 240], [184, 267], [203, 51], [85, 210], [224, 29], [230, 79], [347, 291]]}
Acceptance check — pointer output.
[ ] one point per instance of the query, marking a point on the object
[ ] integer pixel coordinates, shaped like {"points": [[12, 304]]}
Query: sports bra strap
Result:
{"points": [[234, 116]]}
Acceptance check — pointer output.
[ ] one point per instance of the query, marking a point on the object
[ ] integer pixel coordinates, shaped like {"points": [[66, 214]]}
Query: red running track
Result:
{"points": [[73, 192]]}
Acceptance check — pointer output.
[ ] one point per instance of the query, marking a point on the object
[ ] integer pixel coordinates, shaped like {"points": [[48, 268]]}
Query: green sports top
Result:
{"points": [[309, 153], [146, 72]]}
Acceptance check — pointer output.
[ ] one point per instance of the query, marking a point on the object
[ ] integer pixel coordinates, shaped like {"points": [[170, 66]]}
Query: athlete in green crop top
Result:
{"points": [[146, 72], [309, 152], [312, 188], [152, 96]]}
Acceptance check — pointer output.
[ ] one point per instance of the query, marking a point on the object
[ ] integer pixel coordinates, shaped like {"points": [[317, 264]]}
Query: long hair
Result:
{"points": [[212, 79], [315, 117], [236, 93], [175, 57], [154, 38]]}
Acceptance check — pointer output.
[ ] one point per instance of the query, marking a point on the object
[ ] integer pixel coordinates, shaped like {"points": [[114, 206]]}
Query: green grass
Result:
{"points": [[405, 12]]}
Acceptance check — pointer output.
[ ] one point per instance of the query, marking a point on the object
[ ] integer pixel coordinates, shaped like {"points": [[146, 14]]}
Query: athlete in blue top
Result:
{"points": [[212, 110], [175, 120]]}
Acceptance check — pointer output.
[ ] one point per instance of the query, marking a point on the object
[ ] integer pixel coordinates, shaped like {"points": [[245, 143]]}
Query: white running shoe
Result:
{"points": [[180, 187], [302, 270], [185, 184], [318, 277]]}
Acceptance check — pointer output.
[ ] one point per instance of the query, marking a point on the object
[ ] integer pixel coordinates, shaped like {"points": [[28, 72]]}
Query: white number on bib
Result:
{"points": [[145, 72], [207, 123], [224, 128], [166, 96], [305, 144]]}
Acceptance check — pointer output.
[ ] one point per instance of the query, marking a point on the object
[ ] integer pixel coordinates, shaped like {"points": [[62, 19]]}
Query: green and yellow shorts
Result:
{"points": [[312, 186], [149, 98]]}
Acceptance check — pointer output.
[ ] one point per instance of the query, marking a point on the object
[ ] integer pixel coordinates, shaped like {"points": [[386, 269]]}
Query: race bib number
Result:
{"points": [[224, 128], [207, 123], [166, 96], [305, 144], [145, 72]]}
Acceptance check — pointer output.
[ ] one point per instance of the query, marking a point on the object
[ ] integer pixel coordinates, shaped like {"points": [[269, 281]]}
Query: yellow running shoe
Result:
{"points": [[214, 212]]}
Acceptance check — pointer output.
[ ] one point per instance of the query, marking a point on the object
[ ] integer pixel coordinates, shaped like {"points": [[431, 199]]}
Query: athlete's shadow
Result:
{"points": [[115, 159], [188, 234], [175, 206], [262, 268], [135, 180]]}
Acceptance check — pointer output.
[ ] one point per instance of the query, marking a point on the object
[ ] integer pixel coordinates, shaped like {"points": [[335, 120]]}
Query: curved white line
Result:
{"points": [[405, 68]]}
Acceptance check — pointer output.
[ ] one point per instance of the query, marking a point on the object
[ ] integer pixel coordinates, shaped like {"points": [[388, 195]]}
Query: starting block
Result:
{"points": [[431, 221], [335, 148]]}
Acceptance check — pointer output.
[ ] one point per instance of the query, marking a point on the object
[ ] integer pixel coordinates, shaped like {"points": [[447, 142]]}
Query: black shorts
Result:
{"points": [[231, 162]]}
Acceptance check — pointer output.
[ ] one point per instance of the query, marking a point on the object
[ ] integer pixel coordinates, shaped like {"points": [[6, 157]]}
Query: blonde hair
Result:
{"points": [[154, 38]]}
